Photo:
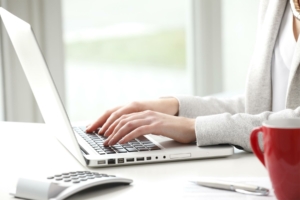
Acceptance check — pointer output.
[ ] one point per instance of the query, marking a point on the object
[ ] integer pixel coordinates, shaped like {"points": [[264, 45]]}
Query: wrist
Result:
{"points": [[186, 127], [169, 105]]}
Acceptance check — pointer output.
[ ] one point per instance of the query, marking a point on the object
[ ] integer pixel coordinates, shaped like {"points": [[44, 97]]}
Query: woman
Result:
{"points": [[271, 92]]}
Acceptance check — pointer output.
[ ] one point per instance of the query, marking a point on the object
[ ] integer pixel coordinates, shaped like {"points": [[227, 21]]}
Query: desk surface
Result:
{"points": [[29, 150]]}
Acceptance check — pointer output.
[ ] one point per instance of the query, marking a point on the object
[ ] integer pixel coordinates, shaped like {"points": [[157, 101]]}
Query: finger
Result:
{"points": [[134, 116], [87, 125], [112, 135], [101, 120], [114, 116], [127, 129], [110, 132], [145, 115]]}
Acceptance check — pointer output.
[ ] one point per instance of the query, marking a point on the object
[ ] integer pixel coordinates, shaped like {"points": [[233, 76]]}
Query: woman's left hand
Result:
{"points": [[130, 126]]}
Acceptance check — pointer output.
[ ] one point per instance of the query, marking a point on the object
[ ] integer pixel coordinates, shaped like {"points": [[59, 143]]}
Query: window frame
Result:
{"points": [[204, 46]]}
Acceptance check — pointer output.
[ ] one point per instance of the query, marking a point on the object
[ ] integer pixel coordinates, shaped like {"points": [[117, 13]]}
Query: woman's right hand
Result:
{"points": [[165, 105]]}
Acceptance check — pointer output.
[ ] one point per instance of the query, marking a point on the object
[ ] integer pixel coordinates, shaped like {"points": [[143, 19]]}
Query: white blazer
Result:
{"points": [[220, 121]]}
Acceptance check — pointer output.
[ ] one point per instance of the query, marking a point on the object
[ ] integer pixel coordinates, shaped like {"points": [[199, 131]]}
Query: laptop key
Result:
{"points": [[107, 149], [118, 147], [126, 146], [142, 138], [138, 146], [154, 148], [146, 142], [142, 149], [131, 149], [121, 151], [134, 143]]}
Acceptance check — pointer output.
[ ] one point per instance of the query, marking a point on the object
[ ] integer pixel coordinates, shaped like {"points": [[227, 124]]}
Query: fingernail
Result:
{"points": [[121, 141]]}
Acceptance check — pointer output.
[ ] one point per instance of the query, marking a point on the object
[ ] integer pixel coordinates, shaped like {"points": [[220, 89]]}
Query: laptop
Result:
{"points": [[87, 148]]}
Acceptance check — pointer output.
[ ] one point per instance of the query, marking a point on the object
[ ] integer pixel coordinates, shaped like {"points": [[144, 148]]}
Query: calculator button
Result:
{"points": [[77, 181]]}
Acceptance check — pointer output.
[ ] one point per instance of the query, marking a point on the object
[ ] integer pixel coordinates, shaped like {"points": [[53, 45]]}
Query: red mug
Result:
{"points": [[281, 156]]}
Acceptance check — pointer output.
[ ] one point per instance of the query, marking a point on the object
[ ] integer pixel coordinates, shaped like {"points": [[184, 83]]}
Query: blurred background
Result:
{"points": [[119, 51], [107, 53]]}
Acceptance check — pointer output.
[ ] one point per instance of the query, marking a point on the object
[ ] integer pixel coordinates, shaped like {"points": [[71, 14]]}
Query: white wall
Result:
{"points": [[239, 23]]}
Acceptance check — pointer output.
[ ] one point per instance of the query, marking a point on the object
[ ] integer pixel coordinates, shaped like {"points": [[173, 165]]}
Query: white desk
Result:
{"points": [[27, 149]]}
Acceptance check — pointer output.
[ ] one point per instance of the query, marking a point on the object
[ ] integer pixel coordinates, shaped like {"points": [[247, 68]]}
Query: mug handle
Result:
{"points": [[255, 145]]}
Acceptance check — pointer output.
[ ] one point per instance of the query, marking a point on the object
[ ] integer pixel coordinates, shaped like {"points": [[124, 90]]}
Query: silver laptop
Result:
{"points": [[88, 149]]}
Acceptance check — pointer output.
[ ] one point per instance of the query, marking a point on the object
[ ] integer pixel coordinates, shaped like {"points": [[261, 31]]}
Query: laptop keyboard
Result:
{"points": [[96, 141]]}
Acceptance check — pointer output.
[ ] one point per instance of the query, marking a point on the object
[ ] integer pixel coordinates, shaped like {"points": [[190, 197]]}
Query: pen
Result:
{"points": [[235, 187]]}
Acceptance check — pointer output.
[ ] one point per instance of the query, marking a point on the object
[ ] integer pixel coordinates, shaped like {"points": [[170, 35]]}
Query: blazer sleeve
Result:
{"points": [[234, 129], [193, 106], [221, 122]]}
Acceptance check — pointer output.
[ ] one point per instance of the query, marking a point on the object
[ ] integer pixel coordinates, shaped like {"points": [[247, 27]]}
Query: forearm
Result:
{"points": [[168, 105], [192, 107]]}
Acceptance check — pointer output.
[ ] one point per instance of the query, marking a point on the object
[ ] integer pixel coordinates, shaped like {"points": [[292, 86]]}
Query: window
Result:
{"points": [[118, 51], [238, 39]]}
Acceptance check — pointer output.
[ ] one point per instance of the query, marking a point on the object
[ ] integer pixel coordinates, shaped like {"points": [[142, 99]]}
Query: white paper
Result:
{"points": [[185, 189], [194, 191]]}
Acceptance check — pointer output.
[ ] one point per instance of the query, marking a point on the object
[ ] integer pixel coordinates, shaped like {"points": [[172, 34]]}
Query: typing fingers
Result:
{"points": [[116, 124], [101, 120], [126, 129], [133, 125], [115, 116]]}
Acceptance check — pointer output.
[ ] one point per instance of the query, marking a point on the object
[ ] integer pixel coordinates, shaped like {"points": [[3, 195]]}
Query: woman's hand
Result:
{"points": [[131, 126], [124, 123], [166, 105]]}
